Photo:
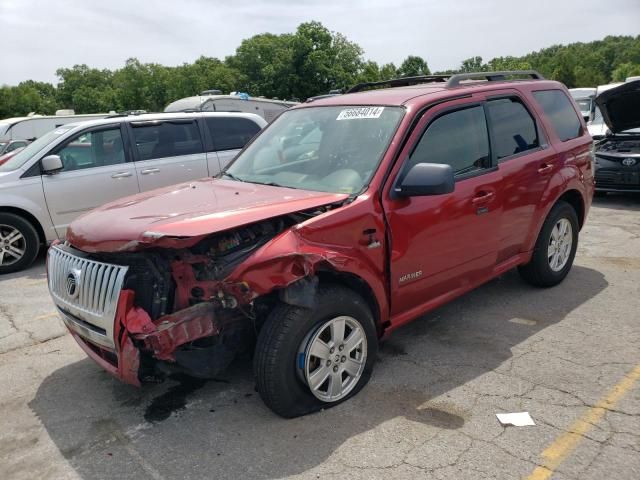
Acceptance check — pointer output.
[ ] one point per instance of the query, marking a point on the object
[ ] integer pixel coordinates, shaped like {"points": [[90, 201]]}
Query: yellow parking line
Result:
{"points": [[566, 443], [48, 315]]}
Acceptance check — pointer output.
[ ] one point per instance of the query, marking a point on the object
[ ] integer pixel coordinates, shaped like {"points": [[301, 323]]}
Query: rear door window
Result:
{"points": [[230, 133], [560, 112], [513, 128], [166, 139]]}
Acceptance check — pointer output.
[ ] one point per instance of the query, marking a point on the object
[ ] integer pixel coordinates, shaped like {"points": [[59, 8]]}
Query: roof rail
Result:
{"points": [[399, 82], [126, 113], [458, 78]]}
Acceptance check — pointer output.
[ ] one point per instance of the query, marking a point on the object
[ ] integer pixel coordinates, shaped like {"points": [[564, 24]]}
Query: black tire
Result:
{"points": [[278, 378], [31, 242], [538, 272]]}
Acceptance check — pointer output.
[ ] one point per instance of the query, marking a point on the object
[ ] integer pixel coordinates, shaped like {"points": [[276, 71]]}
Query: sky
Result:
{"points": [[40, 36]]}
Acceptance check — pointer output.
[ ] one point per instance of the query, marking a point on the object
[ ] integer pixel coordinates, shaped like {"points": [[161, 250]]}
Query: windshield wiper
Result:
{"points": [[273, 184], [232, 177]]}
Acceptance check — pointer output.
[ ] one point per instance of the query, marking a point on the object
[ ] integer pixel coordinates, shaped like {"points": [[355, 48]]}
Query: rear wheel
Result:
{"points": [[19, 243], [555, 248], [307, 359]]}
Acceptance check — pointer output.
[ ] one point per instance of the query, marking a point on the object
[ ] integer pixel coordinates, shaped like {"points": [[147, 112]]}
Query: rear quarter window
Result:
{"points": [[558, 109]]}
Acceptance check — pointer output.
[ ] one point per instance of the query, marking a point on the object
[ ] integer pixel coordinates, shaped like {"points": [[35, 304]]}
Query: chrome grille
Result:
{"points": [[86, 292]]}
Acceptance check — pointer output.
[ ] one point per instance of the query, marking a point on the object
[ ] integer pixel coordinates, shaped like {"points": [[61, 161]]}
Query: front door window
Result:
{"points": [[93, 149]]}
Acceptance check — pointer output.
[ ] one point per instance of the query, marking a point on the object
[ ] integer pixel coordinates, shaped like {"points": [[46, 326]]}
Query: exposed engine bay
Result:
{"points": [[617, 146], [183, 317]]}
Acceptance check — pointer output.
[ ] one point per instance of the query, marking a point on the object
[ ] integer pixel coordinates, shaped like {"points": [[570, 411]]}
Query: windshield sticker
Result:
{"points": [[360, 112]]}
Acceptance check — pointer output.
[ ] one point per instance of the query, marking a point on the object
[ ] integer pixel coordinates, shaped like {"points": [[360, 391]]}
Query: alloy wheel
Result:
{"points": [[13, 245], [560, 243], [334, 358]]}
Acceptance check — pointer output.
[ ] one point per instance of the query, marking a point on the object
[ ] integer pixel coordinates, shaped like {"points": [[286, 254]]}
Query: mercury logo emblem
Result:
{"points": [[629, 162], [73, 284]]}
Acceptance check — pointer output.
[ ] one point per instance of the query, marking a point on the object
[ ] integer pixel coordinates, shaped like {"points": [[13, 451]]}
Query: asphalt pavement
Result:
{"points": [[568, 355]]}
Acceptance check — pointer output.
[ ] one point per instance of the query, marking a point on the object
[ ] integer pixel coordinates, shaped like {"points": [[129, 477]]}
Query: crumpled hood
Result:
{"points": [[620, 106], [186, 211]]}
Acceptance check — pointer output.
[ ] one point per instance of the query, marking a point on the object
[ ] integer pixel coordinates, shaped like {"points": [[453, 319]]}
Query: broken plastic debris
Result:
{"points": [[520, 419]]}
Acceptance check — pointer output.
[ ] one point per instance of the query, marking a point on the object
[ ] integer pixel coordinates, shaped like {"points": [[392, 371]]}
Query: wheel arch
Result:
{"points": [[574, 198], [326, 274], [29, 218]]}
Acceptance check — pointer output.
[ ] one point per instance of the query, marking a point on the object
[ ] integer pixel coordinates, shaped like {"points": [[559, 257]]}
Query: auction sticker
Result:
{"points": [[360, 112]]}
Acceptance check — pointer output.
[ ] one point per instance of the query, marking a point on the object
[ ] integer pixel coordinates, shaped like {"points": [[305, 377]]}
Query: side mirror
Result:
{"points": [[426, 179], [51, 164]]}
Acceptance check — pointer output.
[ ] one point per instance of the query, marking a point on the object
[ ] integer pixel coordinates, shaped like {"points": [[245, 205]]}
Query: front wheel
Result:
{"points": [[19, 243], [555, 248], [307, 360]]}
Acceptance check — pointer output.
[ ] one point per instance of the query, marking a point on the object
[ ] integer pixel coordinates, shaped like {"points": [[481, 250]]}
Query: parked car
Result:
{"points": [[32, 127], [597, 126], [346, 218], [617, 166], [213, 101], [8, 146], [584, 99], [78, 167]]}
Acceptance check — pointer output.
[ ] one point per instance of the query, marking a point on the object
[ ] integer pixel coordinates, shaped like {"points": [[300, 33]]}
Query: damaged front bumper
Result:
{"points": [[159, 342], [120, 336]]}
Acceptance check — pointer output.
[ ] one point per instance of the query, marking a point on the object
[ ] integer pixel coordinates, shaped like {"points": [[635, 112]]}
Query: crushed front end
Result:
{"points": [[146, 314]]}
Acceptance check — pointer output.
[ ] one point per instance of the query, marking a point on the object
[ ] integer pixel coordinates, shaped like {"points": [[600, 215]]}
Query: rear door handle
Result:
{"points": [[121, 175], [482, 197], [545, 168], [147, 171]]}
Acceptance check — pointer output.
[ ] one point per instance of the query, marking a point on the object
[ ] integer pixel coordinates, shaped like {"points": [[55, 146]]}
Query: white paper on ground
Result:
{"points": [[520, 419]]}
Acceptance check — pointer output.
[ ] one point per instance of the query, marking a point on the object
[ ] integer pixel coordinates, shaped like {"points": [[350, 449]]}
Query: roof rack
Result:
{"points": [[126, 113], [399, 82], [453, 80], [458, 78]]}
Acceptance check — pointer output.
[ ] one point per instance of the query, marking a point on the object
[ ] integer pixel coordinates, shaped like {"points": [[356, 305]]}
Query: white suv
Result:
{"points": [[80, 166]]}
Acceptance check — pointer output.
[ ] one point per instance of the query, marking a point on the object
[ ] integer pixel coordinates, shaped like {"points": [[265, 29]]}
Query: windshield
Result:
{"points": [[32, 149], [3, 129], [327, 149]]}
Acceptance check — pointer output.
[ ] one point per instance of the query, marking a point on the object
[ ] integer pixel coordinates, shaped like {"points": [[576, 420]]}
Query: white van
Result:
{"points": [[34, 126], [584, 98], [77, 167], [241, 102]]}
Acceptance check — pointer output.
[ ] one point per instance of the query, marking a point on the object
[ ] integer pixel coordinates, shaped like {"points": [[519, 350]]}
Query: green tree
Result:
{"points": [[310, 61], [93, 82], [625, 70], [413, 66], [322, 60], [263, 65], [370, 72], [473, 64], [388, 71]]}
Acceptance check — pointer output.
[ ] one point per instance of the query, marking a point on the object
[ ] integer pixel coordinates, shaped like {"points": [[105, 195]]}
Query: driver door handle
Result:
{"points": [[121, 175], [482, 197], [148, 171]]}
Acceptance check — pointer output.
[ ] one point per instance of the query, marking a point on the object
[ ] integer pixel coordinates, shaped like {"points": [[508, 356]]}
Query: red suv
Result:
{"points": [[343, 220]]}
